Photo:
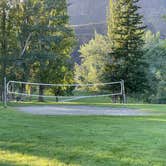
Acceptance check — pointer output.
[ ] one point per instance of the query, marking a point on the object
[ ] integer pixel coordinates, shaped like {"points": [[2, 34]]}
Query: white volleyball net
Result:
{"points": [[27, 91]]}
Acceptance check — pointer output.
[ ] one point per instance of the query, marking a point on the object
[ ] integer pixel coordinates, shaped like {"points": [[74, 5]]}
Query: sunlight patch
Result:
{"points": [[25, 159], [156, 119]]}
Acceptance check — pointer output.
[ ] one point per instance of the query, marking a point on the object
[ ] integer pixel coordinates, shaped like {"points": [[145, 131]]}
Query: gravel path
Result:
{"points": [[81, 110]]}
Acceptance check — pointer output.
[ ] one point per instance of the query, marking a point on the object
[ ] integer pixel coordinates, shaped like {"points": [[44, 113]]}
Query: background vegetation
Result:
{"points": [[36, 43], [131, 52]]}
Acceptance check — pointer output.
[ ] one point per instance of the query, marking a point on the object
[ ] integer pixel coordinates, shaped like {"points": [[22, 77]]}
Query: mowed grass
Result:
{"points": [[27, 140]]}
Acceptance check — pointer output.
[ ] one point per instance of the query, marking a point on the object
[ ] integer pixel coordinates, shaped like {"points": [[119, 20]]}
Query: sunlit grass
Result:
{"points": [[13, 158]]}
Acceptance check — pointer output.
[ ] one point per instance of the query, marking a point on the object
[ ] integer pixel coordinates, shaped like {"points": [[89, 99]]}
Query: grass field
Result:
{"points": [[27, 140]]}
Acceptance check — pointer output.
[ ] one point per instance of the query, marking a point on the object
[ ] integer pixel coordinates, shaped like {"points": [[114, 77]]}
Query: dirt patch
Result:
{"points": [[81, 110]]}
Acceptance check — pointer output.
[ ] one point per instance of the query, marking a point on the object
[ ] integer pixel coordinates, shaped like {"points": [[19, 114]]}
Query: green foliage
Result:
{"points": [[8, 42], [40, 41], [52, 43], [126, 59], [156, 58], [93, 60]]}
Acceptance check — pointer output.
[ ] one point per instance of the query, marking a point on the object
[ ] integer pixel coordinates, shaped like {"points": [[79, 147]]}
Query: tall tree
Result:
{"points": [[8, 42], [155, 54], [37, 34], [126, 30], [51, 43], [94, 56]]}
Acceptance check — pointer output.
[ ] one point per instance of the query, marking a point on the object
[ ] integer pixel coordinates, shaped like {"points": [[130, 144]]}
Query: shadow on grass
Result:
{"points": [[72, 157], [7, 163]]}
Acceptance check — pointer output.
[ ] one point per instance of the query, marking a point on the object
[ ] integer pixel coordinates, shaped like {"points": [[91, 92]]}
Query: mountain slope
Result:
{"points": [[92, 11]]}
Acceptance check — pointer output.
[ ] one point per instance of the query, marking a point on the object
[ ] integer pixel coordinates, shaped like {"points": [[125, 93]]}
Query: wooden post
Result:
{"points": [[123, 92]]}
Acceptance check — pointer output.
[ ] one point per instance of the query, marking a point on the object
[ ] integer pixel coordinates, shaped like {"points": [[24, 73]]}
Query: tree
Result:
{"points": [[126, 30], [93, 59], [8, 39], [24, 18], [51, 44], [35, 36], [155, 56]]}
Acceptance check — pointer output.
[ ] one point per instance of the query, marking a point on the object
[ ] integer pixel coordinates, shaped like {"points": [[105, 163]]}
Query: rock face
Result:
{"points": [[153, 11], [90, 16], [87, 13], [94, 11], [84, 11]]}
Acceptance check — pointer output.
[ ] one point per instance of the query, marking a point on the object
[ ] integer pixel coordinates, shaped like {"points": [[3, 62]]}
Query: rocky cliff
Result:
{"points": [[90, 16], [94, 11]]}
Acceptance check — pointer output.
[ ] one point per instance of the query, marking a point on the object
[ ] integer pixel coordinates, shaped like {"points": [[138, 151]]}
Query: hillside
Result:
{"points": [[87, 11]]}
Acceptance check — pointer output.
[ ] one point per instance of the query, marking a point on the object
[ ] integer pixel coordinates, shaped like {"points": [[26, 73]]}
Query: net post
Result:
{"points": [[5, 93], [123, 91]]}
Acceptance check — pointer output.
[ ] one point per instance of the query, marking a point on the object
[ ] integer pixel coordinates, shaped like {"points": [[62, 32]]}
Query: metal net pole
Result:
{"points": [[5, 93]]}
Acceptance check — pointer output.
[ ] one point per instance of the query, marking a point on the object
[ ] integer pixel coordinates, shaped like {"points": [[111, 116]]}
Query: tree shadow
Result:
{"points": [[7, 163], [75, 155]]}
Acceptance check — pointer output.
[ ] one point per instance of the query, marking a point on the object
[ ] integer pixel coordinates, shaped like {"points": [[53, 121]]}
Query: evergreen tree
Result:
{"points": [[125, 29]]}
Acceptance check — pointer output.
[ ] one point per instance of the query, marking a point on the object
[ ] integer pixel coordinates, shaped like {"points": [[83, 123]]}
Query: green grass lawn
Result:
{"points": [[27, 140]]}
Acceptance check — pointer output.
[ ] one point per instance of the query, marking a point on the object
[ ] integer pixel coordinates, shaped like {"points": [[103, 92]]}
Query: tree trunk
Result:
{"points": [[41, 92], [1, 93], [23, 88]]}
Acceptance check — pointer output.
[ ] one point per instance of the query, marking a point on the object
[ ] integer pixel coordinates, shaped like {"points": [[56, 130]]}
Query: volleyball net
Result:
{"points": [[23, 91]]}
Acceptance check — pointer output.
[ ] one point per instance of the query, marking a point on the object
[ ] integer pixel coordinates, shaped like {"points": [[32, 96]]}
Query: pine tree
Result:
{"points": [[126, 30]]}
